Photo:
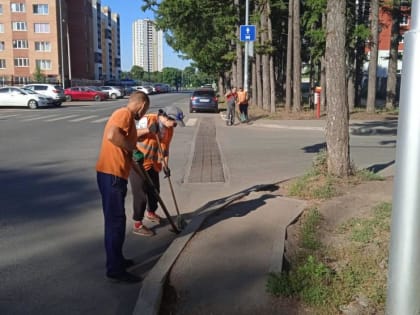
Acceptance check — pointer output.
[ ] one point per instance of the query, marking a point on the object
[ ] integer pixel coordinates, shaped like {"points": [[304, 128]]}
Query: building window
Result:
{"points": [[20, 44], [2, 63], [21, 62], [401, 41], [2, 45], [17, 7], [1, 9], [1, 28], [21, 80], [41, 9], [41, 27], [43, 64], [19, 26], [42, 46]]}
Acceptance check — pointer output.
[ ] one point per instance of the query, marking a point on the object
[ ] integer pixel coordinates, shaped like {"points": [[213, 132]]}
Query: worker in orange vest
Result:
{"points": [[242, 102]]}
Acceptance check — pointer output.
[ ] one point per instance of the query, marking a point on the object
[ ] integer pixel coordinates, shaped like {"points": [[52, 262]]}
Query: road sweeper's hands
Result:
{"points": [[154, 128], [166, 171], [138, 157]]}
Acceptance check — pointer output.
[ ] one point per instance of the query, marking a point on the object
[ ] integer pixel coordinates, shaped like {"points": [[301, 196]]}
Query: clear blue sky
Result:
{"points": [[129, 11]]}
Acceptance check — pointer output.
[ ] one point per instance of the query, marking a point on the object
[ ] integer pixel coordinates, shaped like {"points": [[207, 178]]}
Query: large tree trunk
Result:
{"points": [[297, 60], [337, 133], [391, 83], [265, 59], [254, 90], [288, 88], [259, 81], [271, 60], [373, 63]]}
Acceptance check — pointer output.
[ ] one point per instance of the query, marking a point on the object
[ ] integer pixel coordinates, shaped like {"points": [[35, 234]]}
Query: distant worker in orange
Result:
{"points": [[230, 97], [242, 101]]}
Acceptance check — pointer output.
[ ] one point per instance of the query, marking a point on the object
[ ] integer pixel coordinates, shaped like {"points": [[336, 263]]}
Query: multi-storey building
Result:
{"points": [[31, 41], [85, 45], [147, 45], [106, 39]]}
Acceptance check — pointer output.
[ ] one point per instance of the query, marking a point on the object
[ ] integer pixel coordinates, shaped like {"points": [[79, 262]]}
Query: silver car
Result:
{"points": [[15, 96], [53, 91], [112, 91]]}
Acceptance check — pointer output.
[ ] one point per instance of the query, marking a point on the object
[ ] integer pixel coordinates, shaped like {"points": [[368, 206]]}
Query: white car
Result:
{"points": [[145, 89], [15, 96], [112, 91], [53, 91]]}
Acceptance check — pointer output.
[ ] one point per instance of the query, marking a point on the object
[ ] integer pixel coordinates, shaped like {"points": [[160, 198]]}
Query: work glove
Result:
{"points": [[166, 171], [138, 157], [154, 128]]}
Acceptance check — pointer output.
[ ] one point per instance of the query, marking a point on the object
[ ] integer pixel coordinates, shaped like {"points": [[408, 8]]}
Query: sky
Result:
{"points": [[129, 11]]}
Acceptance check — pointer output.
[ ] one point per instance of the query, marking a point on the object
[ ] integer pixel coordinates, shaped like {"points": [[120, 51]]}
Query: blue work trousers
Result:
{"points": [[113, 190]]}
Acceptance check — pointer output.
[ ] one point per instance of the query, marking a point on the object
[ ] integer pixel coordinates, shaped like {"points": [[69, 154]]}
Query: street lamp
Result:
{"points": [[246, 48]]}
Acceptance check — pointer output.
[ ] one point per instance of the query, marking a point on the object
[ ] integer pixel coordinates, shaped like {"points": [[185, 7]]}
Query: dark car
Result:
{"points": [[82, 93], [204, 100]]}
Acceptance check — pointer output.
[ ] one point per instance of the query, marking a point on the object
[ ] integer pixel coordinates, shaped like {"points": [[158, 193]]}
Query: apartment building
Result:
{"points": [[30, 40], [147, 44], [85, 45]]}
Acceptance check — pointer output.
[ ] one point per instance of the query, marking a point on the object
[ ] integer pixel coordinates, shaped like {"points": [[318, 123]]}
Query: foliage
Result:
{"points": [[137, 73], [309, 227], [201, 30], [39, 77]]}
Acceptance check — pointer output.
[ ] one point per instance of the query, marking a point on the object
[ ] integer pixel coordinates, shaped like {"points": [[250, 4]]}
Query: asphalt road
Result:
{"points": [[51, 225]]}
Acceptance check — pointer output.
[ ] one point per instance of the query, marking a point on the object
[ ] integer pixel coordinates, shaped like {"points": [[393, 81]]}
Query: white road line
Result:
{"points": [[61, 118], [100, 120], [41, 117], [191, 122], [83, 118], [7, 116]]}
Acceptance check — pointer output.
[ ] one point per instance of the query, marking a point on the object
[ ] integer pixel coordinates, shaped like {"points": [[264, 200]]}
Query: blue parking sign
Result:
{"points": [[247, 33]]}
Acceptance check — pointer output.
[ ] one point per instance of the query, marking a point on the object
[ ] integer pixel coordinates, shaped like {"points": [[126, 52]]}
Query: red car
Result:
{"points": [[81, 93]]}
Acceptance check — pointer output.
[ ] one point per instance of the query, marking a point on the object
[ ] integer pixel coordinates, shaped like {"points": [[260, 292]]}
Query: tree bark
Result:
{"points": [[265, 58], [391, 82], [337, 133], [297, 60], [373, 63], [271, 63], [288, 88]]}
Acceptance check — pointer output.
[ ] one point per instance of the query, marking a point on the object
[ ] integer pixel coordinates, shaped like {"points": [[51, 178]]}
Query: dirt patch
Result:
{"points": [[256, 113], [357, 201]]}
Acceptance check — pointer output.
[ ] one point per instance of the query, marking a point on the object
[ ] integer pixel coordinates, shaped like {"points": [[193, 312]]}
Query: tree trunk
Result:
{"points": [[323, 87], [373, 63], [297, 60], [254, 90], [288, 88], [351, 91], [391, 83], [337, 134], [265, 59], [271, 63]]}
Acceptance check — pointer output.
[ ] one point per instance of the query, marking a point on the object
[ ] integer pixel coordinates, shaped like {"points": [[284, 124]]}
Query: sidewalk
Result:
{"points": [[220, 262]]}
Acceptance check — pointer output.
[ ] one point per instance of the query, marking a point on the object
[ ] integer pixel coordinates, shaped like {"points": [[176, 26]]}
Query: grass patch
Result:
{"points": [[366, 175], [326, 279], [309, 239]]}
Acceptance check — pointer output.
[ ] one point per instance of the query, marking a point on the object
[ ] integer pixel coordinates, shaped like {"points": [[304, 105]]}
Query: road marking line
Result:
{"points": [[7, 116], [83, 118], [100, 120], [191, 122], [61, 118], [41, 117]]}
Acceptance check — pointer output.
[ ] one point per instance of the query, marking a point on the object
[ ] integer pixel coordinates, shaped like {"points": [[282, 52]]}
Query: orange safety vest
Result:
{"points": [[242, 97], [148, 144]]}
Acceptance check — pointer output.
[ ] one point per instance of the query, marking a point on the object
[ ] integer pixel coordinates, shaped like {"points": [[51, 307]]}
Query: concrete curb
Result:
{"points": [[150, 296]]}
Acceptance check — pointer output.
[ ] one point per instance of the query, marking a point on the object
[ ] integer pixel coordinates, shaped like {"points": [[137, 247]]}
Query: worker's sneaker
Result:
{"points": [[143, 230], [151, 216]]}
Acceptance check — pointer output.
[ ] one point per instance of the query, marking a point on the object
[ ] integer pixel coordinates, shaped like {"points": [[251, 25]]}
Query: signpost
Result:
{"points": [[247, 35]]}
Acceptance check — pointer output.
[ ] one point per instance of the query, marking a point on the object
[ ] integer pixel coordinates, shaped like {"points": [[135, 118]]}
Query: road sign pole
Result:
{"points": [[246, 48], [404, 260]]}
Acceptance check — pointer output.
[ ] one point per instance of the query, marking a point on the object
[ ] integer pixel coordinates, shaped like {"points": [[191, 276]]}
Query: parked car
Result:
{"points": [[82, 93], [204, 100], [15, 96], [53, 91], [161, 88], [145, 89], [113, 91]]}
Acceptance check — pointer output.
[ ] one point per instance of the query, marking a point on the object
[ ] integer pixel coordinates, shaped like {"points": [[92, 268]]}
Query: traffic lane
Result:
{"points": [[52, 235]]}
